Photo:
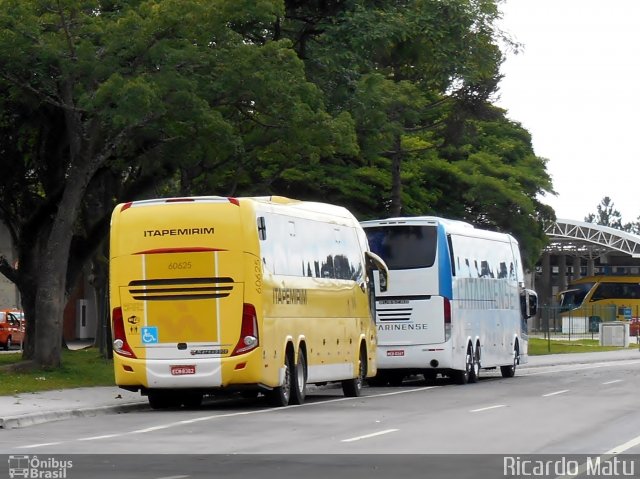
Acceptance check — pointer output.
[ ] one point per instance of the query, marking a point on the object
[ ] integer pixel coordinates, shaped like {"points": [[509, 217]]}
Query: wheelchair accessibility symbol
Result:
{"points": [[149, 335]]}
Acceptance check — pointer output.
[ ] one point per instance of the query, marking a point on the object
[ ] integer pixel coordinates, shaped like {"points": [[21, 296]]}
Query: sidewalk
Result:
{"points": [[27, 409]]}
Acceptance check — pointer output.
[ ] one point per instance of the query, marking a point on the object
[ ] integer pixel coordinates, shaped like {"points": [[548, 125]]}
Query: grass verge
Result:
{"points": [[538, 346], [80, 368]]}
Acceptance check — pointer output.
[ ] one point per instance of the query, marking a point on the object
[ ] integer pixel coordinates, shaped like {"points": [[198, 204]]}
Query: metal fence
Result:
{"points": [[583, 323]]}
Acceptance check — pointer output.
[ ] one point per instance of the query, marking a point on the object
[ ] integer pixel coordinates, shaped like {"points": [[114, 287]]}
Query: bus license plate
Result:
{"points": [[182, 370], [395, 352]]}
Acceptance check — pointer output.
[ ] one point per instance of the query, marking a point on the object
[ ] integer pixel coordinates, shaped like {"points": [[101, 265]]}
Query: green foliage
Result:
{"points": [[383, 107], [606, 215]]}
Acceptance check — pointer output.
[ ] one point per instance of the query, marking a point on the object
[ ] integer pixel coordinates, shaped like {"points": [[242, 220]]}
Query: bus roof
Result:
{"points": [[614, 278], [451, 226], [306, 206]]}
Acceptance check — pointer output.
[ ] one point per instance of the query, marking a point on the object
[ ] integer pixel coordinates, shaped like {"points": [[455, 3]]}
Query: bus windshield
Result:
{"points": [[404, 247], [573, 298]]}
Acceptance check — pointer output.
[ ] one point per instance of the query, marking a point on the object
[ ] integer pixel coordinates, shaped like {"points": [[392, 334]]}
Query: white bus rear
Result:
{"points": [[453, 305]]}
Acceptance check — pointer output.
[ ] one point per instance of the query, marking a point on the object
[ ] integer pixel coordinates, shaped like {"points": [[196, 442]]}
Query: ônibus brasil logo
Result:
{"points": [[38, 468]]}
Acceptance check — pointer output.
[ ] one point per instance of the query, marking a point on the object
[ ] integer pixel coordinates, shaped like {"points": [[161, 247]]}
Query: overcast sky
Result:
{"points": [[575, 86]]}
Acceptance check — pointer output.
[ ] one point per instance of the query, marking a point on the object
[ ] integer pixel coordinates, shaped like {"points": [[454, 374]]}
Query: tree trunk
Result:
{"points": [[50, 298]]}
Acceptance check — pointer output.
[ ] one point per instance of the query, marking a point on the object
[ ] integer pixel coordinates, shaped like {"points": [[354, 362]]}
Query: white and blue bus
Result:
{"points": [[455, 303]]}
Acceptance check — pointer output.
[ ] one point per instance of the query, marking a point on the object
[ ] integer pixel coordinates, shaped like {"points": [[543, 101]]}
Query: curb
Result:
{"points": [[31, 419]]}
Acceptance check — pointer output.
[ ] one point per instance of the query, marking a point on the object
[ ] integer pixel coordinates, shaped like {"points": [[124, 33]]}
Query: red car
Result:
{"points": [[11, 328]]}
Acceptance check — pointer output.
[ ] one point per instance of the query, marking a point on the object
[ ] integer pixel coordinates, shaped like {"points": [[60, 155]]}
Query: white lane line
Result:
{"points": [[555, 393], [606, 457], [29, 446], [172, 477], [367, 436], [612, 382], [623, 447], [234, 414], [488, 408], [95, 438]]}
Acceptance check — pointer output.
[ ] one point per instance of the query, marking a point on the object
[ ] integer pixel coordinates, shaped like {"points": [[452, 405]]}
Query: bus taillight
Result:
{"points": [[120, 344], [447, 319], [248, 331]]}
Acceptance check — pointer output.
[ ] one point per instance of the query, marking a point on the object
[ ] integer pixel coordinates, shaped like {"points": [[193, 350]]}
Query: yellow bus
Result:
{"points": [[593, 299], [262, 294]]}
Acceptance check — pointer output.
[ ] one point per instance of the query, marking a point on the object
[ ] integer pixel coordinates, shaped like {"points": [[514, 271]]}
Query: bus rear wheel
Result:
{"points": [[353, 387], [510, 371], [474, 374], [464, 376], [299, 380], [281, 395]]}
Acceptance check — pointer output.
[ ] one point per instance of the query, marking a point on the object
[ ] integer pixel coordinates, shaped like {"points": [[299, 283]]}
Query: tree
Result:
{"points": [[398, 68], [417, 77], [116, 95], [383, 107], [606, 215]]}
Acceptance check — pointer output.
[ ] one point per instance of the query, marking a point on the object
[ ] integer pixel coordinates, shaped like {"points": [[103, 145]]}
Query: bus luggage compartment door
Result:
{"points": [[410, 321]]}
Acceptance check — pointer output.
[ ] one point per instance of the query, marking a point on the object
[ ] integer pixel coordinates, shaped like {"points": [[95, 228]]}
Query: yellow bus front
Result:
{"points": [[185, 305]]}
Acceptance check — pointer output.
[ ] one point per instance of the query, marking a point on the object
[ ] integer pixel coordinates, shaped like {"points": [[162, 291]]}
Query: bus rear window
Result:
{"points": [[404, 247]]}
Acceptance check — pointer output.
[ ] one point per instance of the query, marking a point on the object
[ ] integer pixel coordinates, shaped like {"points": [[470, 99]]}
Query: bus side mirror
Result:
{"points": [[375, 262], [529, 303]]}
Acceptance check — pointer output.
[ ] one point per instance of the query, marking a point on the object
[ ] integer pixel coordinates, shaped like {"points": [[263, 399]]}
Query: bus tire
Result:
{"points": [[281, 395], [353, 387], [510, 371], [463, 377], [299, 380], [474, 374]]}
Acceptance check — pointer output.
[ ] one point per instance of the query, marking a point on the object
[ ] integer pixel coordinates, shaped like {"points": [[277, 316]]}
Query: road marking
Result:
{"points": [[604, 457], [488, 408], [613, 382], [367, 436], [95, 438], [29, 446], [172, 477], [623, 447], [233, 414], [555, 393], [527, 371]]}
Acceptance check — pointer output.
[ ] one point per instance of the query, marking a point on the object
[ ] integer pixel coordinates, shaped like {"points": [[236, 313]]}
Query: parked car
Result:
{"points": [[11, 328]]}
